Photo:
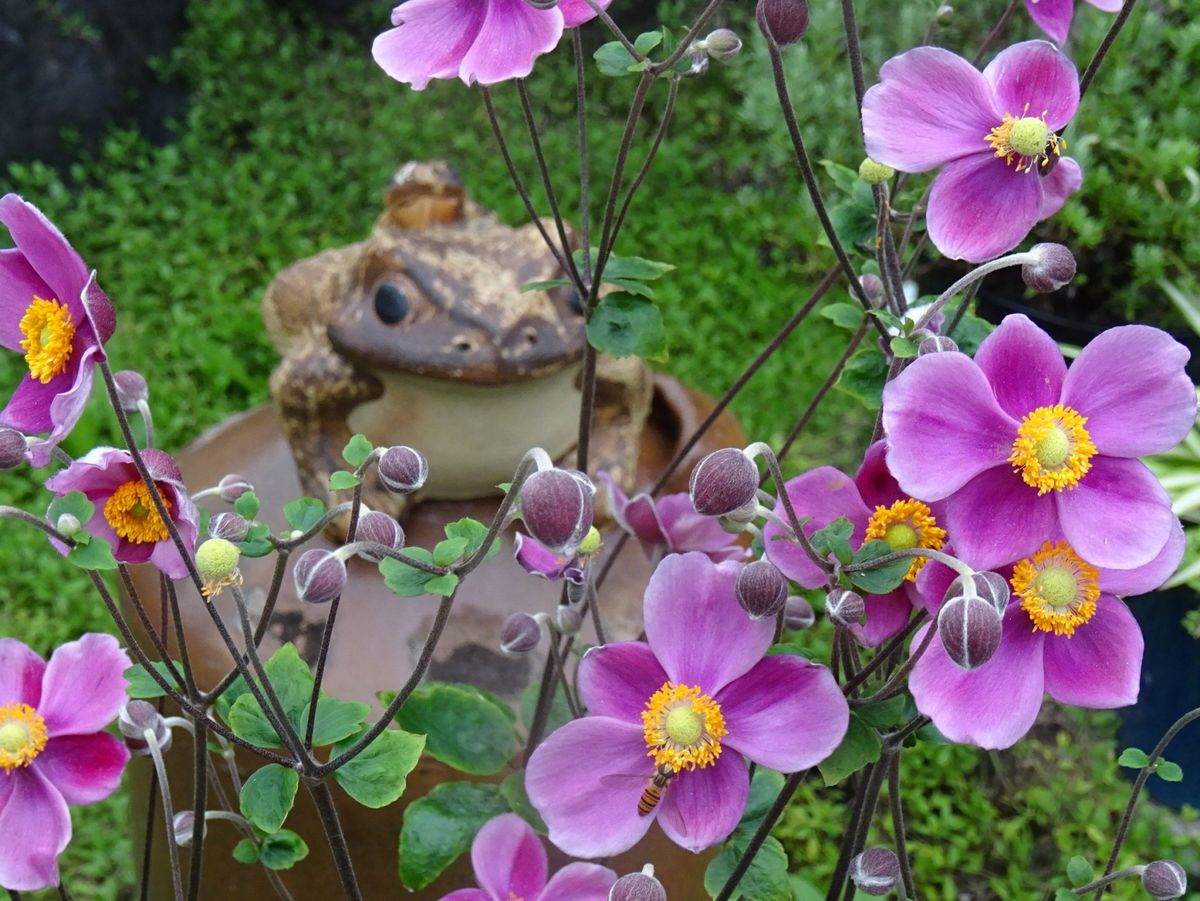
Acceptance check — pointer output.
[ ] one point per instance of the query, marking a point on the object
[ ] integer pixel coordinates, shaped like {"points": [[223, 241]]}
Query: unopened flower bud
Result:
{"points": [[990, 586], [1164, 879], [376, 526], [1054, 267], [761, 589], [320, 576], [556, 505], [936, 344], [970, 629], [228, 525], [875, 871], [184, 826], [874, 173], [217, 563], [12, 449], [724, 483], [568, 618], [131, 389], [68, 524], [945, 12], [233, 486], [872, 286], [520, 634], [783, 21], [402, 469], [845, 608], [638, 887], [723, 44], [591, 542], [133, 721], [798, 614]]}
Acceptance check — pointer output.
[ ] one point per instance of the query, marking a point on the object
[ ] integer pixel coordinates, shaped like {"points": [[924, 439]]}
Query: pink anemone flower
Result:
{"points": [[52, 311], [877, 509], [125, 514], [1054, 16], [671, 720], [1066, 634], [52, 750], [483, 41], [538, 560], [510, 862], [1021, 447], [993, 132]]}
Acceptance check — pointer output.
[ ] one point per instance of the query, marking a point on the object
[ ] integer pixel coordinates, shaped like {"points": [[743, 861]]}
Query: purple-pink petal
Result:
{"points": [[67, 406], [84, 768], [695, 626], [1118, 516], [469, 894], [1035, 78], [19, 284], [84, 685], [1023, 364], [585, 780], [47, 251], [1064, 180], [576, 12], [538, 560], [618, 679], [786, 713], [1141, 579], [1131, 385], [430, 39], [28, 410], [508, 858], [512, 36], [20, 674], [822, 495], [579, 882], [981, 207], [996, 518], [1052, 16], [876, 484], [943, 426], [930, 106], [1100, 666], [35, 811], [687, 530], [702, 807], [887, 615]]}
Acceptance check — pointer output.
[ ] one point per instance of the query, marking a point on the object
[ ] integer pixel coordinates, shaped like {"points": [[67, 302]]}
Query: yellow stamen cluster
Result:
{"points": [[132, 514], [682, 727], [906, 524], [1058, 590], [22, 735], [1025, 140], [1052, 450], [48, 332]]}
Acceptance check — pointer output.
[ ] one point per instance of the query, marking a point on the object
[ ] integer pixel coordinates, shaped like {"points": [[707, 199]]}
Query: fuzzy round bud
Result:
{"points": [[970, 630], [875, 871], [402, 469], [320, 576], [872, 286], [591, 542], [68, 524], [724, 483], [783, 21], [520, 634], [376, 526], [184, 827], [1054, 267], [990, 586], [845, 608], [131, 389], [556, 506], [229, 526], [233, 486], [798, 614], [761, 589], [568, 618], [936, 344], [723, 44], [12, 448], [874, 173], [638, 887], [945, 12], [217, 560], [133, 721], [1164, 879]]}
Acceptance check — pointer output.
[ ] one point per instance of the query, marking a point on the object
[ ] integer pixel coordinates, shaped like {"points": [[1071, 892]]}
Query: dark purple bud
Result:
{"points": [[875, 871], [1164, 879], [376, 526], [970, 630], [638, 887], [723, 44], [1054, 267], [872, 286], [133, 721], [556, 505], [568, 618], [320, 576], [184, 827], [131, 389], [520, 634], [845, 608], [992, 587], [402, 469], [936, 344], [783, 21], [798, 614], [723, 483], [12, 449], [233, 486], [229, 526], [761, 589]]}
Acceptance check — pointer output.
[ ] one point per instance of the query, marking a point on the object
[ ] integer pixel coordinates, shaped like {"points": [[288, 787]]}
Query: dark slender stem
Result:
{"points": [[897, 739], [593, 602], [148, 838], [63, 894], [790, 784], [854, 55], [860, 820], [793, 520], [825, 388], [561, 677], [168, 813], [659, 135], [541, 711], [884, 653], [895, 685], [614, 29], [290, 544], [1105, 45], [524, 469], [585, 174], [337, 839], [871, 800], [199, 803], [156, 639], [897, 805], [995, 33], [687, 40], [169, 600], [587, 407]]}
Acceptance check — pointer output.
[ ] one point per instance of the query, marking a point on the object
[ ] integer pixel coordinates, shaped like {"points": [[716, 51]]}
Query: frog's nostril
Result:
{"points": [[462, 345], [531, 336]]}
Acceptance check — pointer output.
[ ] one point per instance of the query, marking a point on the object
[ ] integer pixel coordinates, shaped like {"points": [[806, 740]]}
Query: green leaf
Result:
{"points": [[463, 729], [448, 551], [864, 376], [765, 880], [335, 719], [835, 539], [440, 826], [282, 850], [357, 450], [764, 788], [229, 696], [1065, 894], [630, 286], [638, 269], [256, 543], [881, 579], [560, 713], [623, 324], [844, 177], [1168, 771], [376, 777], [860, 747], [75, 503], [903, 348], [513, 790], [96, 554], [474, 532], [844, 315], [885, 714], [141, 685], [1134, 758], [647, 41], [268, 796], [248, 721], [246, 506], [891, 320], [547, 285], [293, 684], [245, 851], [404, 580], [342, 480], [443, 585], [1079, 871], [613, 59], [303, 513]]}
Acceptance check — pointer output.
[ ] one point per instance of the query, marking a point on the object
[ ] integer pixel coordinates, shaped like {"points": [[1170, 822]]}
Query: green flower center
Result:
{"points": [[1057, 586], [1028, 136], [1053, 449], [684, 725], [901, 536], [13, 737]]}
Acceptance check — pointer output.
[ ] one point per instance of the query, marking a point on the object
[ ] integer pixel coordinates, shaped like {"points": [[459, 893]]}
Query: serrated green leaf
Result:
{"points": [[245, 851], [885, 714], [448, 551], [336, 719], [764, 789], [282, 850], [141, 685], [443, 585], [864, 377], [512, 788], [630, 286], [834, 539], [303, 513], [377, 776], [1134, 758], [860, 747], [1169, 771], [765, 880], [474, 532], [844, 315], [268, 795], [293, 684], [1079, 871], [637, 269], [441, 826], [889, 319], [404, 580], [74, 503], [843, 176], [247, 505], [463, 729], [881, 579], [903, 348], [96, 554], [623, 324], [342, 480], [613, 59], [357, 450]]}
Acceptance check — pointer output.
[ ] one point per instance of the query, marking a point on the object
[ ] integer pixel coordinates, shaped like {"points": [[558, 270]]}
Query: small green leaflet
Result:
{"points": [[303, 513], [357, 450], [342, 480], [624, 324]]}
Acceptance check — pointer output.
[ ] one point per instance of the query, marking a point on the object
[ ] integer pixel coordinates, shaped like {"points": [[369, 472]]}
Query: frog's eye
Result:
{"points": [[391, 304], [574, 302]]}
